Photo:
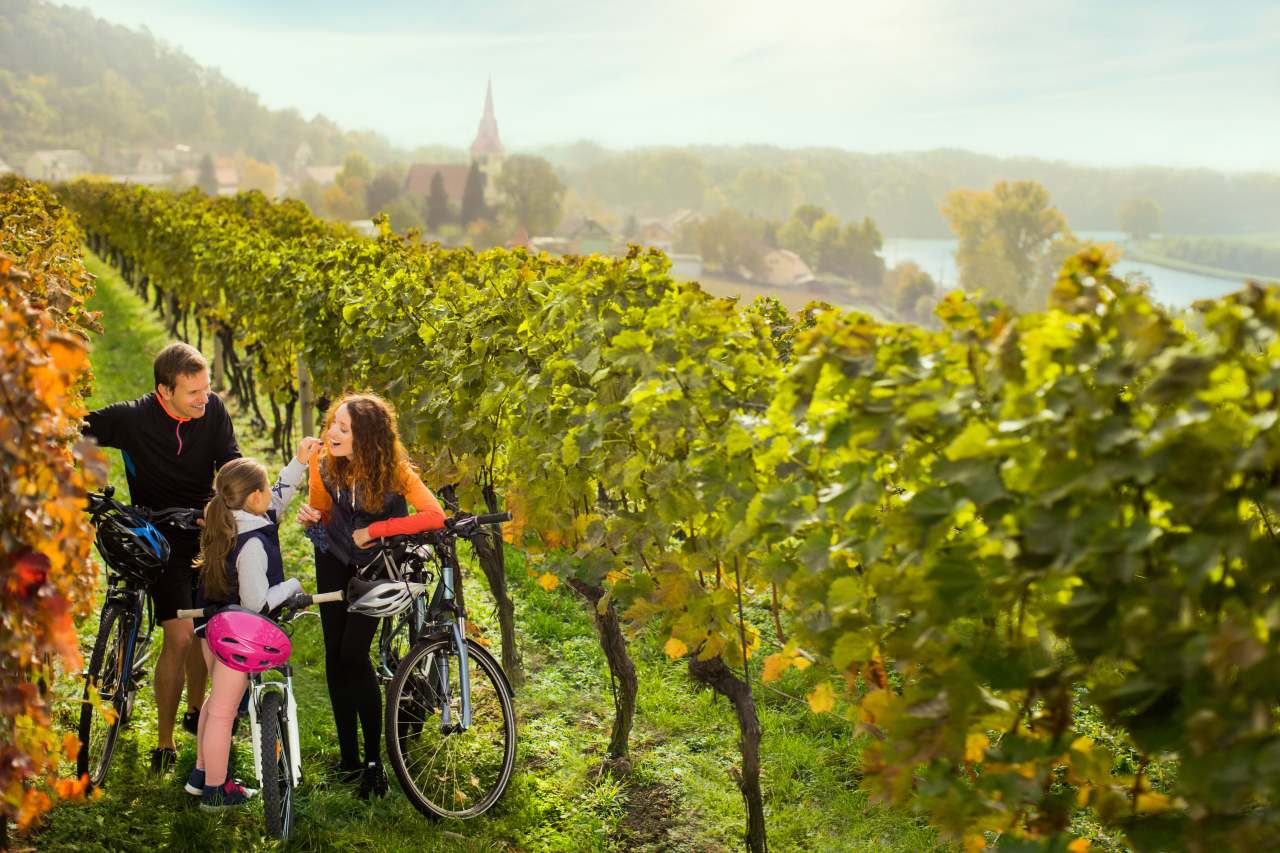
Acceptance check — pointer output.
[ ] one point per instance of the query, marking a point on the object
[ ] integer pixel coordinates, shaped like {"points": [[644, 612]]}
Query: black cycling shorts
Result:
{"points": [[175, 589]]}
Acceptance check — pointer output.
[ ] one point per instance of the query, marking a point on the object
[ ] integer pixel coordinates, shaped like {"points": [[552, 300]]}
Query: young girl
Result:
{"points": [[240, 564], [361, 486]]}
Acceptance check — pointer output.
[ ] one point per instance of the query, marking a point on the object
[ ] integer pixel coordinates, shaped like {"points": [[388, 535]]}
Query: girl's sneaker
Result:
{"points": [[226, 795], [195, 782]]}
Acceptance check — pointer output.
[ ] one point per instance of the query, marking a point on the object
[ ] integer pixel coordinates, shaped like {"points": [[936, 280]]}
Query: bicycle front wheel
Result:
{"points": [[445, 770], [277, 778], [106, 678]]}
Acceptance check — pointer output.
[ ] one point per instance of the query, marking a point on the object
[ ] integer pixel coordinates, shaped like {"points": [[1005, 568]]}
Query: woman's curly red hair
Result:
{"points": [[371, 471]]}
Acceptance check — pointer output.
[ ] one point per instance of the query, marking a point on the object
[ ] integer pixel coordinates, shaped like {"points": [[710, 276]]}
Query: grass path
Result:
{"points": [[680, 796]]}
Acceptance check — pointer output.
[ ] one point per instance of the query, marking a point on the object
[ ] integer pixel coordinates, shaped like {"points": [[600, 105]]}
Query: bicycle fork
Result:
{"points": [[259, 688], [459, 626]]}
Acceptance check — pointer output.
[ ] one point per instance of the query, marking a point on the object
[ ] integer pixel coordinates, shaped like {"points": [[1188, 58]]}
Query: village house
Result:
{"points": [[454, 176], [588, 237], [60, 164], [784, 268]]}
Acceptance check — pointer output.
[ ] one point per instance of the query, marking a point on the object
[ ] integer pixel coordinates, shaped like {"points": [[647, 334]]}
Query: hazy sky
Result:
{"points": [[1179, 83]]}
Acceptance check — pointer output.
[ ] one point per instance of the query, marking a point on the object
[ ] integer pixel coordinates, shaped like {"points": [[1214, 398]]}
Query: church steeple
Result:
{"points": [[487, 145]]}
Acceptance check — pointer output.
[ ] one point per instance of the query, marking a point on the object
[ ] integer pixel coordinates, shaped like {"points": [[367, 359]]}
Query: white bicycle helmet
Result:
{"points": [[381, 598]]}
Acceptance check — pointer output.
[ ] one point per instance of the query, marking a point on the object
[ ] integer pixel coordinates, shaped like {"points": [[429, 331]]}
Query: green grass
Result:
{"points": [[679, 796]]}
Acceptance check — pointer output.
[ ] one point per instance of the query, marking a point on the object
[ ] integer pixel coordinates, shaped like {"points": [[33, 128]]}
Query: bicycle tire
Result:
{"points": [[465, 772], [106, 675], [277, 780]]}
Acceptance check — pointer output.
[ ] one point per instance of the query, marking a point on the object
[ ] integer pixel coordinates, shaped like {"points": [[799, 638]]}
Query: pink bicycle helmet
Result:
{"points": [[247, 641]]}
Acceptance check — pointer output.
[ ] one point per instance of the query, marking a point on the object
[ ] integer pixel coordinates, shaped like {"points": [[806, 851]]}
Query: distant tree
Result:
{"points": [[909, 288], [734, 242], [688, 238], [1140, 218], [437, 204], [383, 189], [808, 214], [256, 175], [403, 214], [312, 196], [473, 205], [208, 179], [1006, 235], [531, 193], [762, 192], [796, 236], [861, 244], [340, 204], [485, 234], [631, 229], [356, 167]]}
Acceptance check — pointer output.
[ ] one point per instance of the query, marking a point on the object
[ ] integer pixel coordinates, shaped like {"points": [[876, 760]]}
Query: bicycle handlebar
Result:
{"points": [[458, 525], [296, 602], [182, 518]]}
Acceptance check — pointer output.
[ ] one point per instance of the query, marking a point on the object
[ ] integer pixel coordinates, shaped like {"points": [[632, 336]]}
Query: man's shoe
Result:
{"points": [[191, 722], [163, 759], [228, 794], [373, 782]]}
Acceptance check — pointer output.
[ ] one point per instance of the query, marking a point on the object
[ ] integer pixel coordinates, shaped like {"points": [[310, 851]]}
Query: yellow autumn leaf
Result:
{"points": [[1080, 845], [822, 699], [774, 665], [974, 843], [975, 747], [1152, 801], [675, 649], [875, 705], [548, 581]]}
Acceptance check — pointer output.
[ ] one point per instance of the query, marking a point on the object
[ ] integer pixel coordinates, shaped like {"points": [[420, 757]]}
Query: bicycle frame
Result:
{"points": [[133, 604], [445, 600]]}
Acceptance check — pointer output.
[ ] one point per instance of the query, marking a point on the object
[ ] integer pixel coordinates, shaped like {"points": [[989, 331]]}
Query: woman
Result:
{"points": [[361, 485]]}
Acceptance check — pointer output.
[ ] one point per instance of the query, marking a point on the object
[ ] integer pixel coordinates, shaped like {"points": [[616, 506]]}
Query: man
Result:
{"points": [[173, 440]]}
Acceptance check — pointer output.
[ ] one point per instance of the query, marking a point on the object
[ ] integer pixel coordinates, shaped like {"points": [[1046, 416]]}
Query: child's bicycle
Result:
{"points": [[450, 718], [257, 644]]}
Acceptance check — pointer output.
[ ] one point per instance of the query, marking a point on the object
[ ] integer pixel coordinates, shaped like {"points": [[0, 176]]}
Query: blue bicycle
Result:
{"points": [[450, 715], [135, 552]]}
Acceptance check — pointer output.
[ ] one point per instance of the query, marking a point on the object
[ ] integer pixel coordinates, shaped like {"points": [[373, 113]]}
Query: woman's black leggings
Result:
{"points": [[353, 687]]}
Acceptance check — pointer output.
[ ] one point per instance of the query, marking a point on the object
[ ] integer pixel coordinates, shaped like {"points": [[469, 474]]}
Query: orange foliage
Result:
{"points": [[46, 573]]}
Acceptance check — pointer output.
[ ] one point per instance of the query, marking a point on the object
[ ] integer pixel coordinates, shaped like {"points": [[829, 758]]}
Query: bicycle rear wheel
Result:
{"points": [[447, 772], [106, 676], [277, 778]]}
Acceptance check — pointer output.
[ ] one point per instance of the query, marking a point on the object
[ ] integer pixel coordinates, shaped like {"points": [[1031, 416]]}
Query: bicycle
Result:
{"points": [[273, 711], [450, 717], [134, 552]]}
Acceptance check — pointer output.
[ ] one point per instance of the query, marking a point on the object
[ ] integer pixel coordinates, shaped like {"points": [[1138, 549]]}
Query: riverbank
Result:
{"points": [[1133, 252]]}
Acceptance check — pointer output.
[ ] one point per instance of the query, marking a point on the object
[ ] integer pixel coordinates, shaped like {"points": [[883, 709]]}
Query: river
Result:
{"points": [[1169, 286]]}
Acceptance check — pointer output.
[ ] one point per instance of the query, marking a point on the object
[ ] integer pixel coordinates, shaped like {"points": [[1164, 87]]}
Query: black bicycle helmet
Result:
{"points": [[132, 546]]}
